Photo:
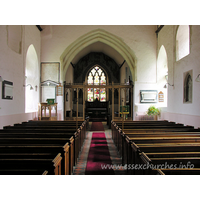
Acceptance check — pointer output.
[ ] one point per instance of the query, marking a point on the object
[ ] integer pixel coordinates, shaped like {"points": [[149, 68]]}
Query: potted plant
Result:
{"points": [[153, 111]]}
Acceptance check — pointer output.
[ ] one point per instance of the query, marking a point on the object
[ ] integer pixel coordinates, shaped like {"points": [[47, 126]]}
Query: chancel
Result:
{"points": [[63, 87]]}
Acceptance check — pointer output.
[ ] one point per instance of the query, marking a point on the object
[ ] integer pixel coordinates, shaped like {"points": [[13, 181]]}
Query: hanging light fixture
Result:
{"points": [[165, 86], [31, 87]]}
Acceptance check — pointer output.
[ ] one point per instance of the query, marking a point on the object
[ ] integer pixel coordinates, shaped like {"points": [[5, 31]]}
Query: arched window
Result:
{"points": [[162, 74], [182, 41], [96, 77], [32, 78], [188, 87]]}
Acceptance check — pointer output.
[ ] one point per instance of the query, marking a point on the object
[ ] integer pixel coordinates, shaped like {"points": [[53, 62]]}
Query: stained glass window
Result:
{"points": [[96, 77], [103, 79], [103, 94], [90, 79], [90, 94], [96, 93]]}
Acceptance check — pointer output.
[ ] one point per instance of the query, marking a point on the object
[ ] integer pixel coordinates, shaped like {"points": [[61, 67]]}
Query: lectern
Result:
{"points": [[47, 111]]}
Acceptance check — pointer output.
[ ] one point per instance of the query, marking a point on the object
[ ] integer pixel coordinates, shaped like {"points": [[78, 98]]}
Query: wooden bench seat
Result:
{"points": [[30, 164], [29, 147], [79, 136], [20, 165], [71, 128], [165, 139], [181, 171], [160, 141], [42, 148], [121, 140], [54, 122], [23, 133], [143, 122], [172, 154], [24, 172], [158, 148], [66, 144], [116, 134], [68, 154], [175, 164]]}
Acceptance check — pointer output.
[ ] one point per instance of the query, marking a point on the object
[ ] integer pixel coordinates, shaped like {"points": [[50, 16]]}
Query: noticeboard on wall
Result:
{"points": [[7, 90], [148, 96]]}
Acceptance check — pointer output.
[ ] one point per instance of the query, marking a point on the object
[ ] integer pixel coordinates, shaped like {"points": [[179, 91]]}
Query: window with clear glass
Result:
{"points": [[182, 42], [96, 77]]}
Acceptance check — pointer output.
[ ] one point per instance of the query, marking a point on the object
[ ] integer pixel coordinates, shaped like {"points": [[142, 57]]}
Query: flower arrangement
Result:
{"points": [[152, 110]]}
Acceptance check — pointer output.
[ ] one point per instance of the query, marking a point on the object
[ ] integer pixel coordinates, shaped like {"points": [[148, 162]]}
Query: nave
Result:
{"points": [[91, 148]]}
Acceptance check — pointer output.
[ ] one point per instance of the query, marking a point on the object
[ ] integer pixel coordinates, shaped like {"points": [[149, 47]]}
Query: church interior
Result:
{"points": [[94, 86], [142, 66]]}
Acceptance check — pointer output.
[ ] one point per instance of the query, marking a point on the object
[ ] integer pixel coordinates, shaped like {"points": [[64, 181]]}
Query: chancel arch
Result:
{"points": [[99, 35]]}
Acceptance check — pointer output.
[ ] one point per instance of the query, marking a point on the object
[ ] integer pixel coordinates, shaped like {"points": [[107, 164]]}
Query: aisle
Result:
{"points": [[114, 157], [99, 161]]}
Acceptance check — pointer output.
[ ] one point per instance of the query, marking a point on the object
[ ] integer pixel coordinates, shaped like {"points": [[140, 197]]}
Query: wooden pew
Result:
{"points": [[181, 171], [179, 165], [121, 138], [80, 136], [148, 129], [43, 133], [71, 122], [157, 126], [161, 148], [156, 137], [29, 163], [32, 149], [65, 140], [145, 138], [35, 137]]}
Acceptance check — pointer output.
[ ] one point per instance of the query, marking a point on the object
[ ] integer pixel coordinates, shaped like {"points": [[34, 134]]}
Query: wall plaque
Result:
{"points": [[59, 90], [160, 96], [50, 71]]}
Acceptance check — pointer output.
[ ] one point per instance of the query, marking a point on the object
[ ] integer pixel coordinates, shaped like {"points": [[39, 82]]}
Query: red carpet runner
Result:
{"points": [[99, 161], [97, 126]]}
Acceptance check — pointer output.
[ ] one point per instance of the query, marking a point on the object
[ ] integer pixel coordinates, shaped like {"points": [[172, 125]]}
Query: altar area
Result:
{"points": [[78, 107]]}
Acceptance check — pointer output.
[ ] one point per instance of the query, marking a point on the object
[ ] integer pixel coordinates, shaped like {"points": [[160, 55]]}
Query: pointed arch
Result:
{"points": [[32, 78], [162, 73], [188, 87], [99, 35], [162, 65]]}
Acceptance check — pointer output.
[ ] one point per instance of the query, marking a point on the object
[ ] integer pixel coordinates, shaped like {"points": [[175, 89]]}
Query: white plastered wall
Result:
{"points": [[12, 68], [186, 113]]}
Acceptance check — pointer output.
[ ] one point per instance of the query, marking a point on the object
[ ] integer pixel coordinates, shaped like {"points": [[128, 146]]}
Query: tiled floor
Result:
{"points": [[82, 161]]}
